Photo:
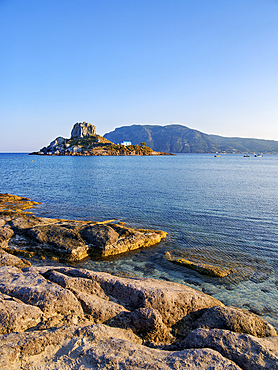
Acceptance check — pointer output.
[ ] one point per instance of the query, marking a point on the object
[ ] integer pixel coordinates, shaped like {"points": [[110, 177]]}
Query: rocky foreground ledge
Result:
{"points": [[55, 317], [22, 233], [68, 318]]}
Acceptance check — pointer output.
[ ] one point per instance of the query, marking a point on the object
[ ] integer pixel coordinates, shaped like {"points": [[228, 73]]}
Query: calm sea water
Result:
{"points": [[221, 211]]}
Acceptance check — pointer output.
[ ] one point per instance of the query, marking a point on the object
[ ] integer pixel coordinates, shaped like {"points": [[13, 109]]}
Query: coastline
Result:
{"points": [[160, 320]]}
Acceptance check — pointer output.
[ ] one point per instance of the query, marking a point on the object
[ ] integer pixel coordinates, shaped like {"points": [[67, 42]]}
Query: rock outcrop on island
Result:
{"points": [[60, 317], [85, 141]]}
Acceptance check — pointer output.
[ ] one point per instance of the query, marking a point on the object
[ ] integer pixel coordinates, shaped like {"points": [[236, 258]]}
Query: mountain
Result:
{"points": [[171, 138], [243, 145], [181, 139]]}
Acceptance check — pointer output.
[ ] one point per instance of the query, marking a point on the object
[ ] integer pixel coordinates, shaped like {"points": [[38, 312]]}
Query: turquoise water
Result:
{"points": [[222, 211]]}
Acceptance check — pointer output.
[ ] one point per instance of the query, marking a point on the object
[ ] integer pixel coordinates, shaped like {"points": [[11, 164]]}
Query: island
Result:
{"points": [[84, 141], [56, 316]]}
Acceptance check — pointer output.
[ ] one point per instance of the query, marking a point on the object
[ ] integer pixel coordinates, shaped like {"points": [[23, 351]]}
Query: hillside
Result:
{"points": [[171, 138], [243, 145], [181, 139]]}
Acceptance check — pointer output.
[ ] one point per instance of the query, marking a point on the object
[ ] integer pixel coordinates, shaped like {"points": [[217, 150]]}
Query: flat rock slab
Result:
{"points": [[67, 240], [98, 347]]}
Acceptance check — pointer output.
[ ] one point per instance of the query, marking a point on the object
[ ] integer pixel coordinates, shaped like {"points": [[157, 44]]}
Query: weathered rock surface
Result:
{"points": [[16, 316], [146, 322], [248, 352], [48, 297], [83, 129], [5, 235], [98, 347], [65, 242], [34, 289], [7, 259], [236, 320], [172, 300]]}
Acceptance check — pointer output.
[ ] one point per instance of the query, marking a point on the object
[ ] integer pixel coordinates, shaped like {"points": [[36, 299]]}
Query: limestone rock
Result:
{"points": [[100, 236], [60, 240], [81, 130], [172, 300], [247, 351], [235, 319], [7, 259], [98, 309], [98, 347], [5, 234], [146, 322], [108, 240], [16, 316], [79, 284], [23, 222], [34, 289]]}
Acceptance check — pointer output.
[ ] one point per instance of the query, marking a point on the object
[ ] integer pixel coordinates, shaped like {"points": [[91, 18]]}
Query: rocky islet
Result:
{"points": [[84, 141]]}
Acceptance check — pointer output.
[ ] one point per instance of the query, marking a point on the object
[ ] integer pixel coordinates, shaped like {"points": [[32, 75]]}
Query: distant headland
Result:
{"points": [[84, 141]]}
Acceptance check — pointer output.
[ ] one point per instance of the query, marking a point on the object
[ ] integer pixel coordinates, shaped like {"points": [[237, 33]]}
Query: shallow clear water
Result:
{"points": [[222, 211]]}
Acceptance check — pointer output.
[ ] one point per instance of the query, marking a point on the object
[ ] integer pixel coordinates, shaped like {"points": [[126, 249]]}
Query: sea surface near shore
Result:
{"points": [[218, 210]]}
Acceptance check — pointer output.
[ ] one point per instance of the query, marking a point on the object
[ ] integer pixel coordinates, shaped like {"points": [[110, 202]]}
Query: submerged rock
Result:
{"points": [[202, 268]]}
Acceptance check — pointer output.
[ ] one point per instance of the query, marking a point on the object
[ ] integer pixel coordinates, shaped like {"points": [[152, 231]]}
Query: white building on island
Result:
{"points": [[126, 143]]}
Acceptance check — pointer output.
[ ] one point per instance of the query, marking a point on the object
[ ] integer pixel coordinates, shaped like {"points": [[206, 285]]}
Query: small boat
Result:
{"points": [[216, 155], [246, 155], [258, 155]]}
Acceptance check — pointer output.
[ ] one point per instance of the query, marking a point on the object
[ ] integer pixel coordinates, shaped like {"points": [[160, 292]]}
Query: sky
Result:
{"points": [[211, 65]]}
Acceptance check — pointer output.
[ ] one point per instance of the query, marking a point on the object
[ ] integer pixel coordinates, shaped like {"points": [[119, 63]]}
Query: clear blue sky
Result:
{"points": [[211, 65]]}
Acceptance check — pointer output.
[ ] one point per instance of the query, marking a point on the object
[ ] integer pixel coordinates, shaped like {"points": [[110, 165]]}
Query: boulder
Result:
{"points": [[146, 322], [81, 130], [247, 351], [235, 319], [16, 316], [32, 288], [98, 347]]}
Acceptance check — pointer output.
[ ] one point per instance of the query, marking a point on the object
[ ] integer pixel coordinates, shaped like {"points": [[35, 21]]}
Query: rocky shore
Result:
{"points": [[58, 317]]}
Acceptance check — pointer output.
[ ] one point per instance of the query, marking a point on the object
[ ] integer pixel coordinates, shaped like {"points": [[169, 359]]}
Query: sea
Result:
{"points": [[222, 211]]}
